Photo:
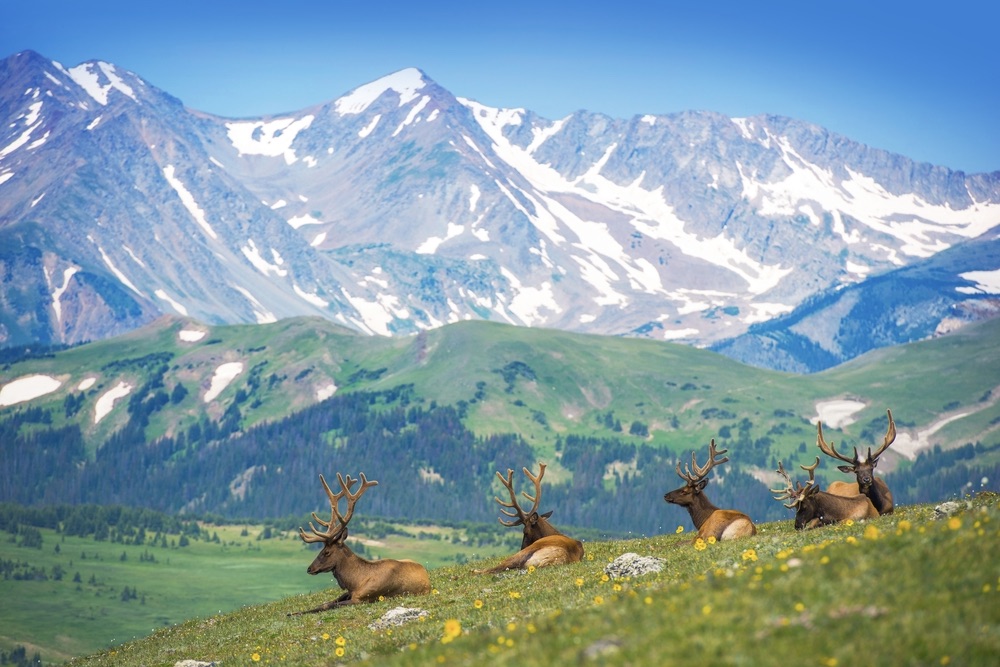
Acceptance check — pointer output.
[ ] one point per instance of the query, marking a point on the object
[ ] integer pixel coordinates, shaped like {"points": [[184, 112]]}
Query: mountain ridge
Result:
{"points": [[399, 207]]}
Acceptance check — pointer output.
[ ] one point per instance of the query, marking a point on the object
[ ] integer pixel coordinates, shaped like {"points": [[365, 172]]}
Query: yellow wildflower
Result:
{"points": [[711, 539], [531, 568], [579, 581], [849, 522], [339, 651], [799, 607], [514, 595], [750, 555], [954, 523], [706, 610], [452, 629], [255, 657], [904, 525], [598, 599], [680, 529], [605, 578], [325, 636], [699, 544], [478, 604], [340, 641], [871, 532]]}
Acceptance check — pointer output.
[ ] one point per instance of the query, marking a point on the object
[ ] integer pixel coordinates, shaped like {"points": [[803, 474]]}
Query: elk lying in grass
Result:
{"points": [[363, 580], [864, 469], [542, 543], [708, 519], [819, 508]]}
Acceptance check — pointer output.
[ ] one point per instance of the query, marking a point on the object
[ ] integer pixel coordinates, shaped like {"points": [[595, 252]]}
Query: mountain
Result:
{"points": [[399, 207], [928, 298]]}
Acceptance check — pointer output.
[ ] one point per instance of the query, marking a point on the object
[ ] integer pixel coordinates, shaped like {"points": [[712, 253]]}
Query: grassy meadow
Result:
{"points": [[108, 592], [903, 589]]}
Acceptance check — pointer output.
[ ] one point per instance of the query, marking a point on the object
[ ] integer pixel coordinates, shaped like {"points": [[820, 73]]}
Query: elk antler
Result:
{"points": [[812, 472], [700, 472], [787, 493], [795, 492], [518, 512], [333, 533], [890, 435], [828, 448]]}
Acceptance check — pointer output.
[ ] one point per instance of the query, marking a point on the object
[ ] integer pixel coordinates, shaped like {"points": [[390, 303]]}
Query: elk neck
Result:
{"points": [[700, 509]]}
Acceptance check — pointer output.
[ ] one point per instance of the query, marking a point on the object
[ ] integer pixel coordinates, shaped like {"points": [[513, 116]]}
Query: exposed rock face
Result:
{"points": [[399, 207]]}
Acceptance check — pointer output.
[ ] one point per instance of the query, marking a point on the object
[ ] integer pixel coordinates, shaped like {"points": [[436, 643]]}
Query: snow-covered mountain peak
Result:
{"points": [[98, 79], [405, 83]]}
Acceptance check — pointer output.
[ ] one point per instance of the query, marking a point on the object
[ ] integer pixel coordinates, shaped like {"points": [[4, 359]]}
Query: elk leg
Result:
{"points": [[339, 602]]}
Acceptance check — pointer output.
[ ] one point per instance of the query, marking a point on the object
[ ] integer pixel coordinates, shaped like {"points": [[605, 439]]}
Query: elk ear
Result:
{"points": [[700, 485], [547, 514], [845, 468]]}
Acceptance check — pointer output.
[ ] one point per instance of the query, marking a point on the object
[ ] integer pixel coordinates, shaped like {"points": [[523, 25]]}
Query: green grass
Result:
{"points": [[63, 618], [900, 590]]}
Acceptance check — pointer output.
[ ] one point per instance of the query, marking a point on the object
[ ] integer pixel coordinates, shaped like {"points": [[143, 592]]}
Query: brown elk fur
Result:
{"points": [[863, 467], [542, 544], [708, 519], [815, 508], [362, 580]]}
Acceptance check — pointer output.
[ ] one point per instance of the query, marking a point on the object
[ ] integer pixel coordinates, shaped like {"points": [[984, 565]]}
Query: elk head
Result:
{"points": [[536, 526], [802, 497], [862, 466], [694, 478], [334, 549]]}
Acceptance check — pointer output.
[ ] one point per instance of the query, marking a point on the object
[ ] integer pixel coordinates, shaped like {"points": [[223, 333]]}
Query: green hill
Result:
{"points": [[449, 407]]}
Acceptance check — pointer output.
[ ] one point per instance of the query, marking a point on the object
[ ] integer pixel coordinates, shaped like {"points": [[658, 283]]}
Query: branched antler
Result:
{"points": [[519, 513], [337, 532], [701, 471]]}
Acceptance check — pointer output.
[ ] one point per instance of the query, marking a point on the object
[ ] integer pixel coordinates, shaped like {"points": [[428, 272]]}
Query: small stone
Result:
{"points": [[397, 616], [633, 565]]}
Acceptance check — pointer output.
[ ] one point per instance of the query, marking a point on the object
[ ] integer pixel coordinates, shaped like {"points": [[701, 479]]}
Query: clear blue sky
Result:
{"points": [[917, 78]]}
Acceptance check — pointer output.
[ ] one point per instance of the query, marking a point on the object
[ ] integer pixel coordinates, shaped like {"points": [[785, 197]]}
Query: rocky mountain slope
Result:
{"points": [[399, 207]]}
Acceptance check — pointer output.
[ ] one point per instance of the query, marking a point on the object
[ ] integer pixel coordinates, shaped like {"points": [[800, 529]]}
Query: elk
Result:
{"points": [[708, 519], [820, 508], [542, 543], [864, 469], [363, 580]]}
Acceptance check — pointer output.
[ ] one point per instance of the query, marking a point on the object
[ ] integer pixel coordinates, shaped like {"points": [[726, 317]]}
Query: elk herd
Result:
{"points": [[543, 544]]}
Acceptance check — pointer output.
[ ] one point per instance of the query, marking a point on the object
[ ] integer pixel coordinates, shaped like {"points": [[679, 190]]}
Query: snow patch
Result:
{"points": [[188, 200], [86, 384], [191, 335], [108, 399], [89, 78], [987, 282], [837, 413], [430, 246], [224, 374], [323, 393], [271, 138], [27, 388], [173, 303], [909, 445], [405, 82], [370, 127], [301, 220]]}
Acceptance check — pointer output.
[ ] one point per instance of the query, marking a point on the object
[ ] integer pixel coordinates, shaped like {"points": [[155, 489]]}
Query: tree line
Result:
{"points": [[429, 465]]}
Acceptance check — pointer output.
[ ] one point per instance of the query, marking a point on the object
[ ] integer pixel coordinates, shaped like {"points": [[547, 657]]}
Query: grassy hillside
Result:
{"points": [[75, 595], [542, 384], [903, 589]]}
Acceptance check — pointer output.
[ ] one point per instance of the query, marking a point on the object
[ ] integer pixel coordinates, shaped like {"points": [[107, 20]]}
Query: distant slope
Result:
{"points": [[241, 419], [928, 298]]}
